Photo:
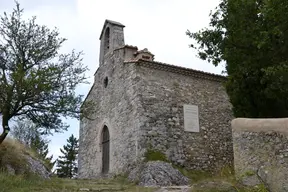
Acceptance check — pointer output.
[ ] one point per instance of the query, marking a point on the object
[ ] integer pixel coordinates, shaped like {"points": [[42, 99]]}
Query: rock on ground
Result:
{"points": [[37, 167], [157, 173], [33, 166]]}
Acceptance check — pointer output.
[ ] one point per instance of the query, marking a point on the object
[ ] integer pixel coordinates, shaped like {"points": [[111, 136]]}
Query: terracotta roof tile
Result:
{"points": [[128, 46], [131, 61]]}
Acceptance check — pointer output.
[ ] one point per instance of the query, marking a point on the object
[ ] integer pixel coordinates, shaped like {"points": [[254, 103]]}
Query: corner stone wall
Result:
{"points": [[261, 152], [162, 97]]}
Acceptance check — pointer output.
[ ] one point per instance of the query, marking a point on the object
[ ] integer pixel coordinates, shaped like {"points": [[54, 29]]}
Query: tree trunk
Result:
{"points": [[5, 127]]}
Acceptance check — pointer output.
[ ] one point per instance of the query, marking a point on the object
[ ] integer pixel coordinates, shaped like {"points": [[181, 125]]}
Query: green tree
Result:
{"points": [[67, 164], [36, 81], [40, 145], [28, 134], [251, 37]]}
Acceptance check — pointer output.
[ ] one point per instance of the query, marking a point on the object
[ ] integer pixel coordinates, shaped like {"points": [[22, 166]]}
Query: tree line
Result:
{"points": [[251, 38], [38, 87]]}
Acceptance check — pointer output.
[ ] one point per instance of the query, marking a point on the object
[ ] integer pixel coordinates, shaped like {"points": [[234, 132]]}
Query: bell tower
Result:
{"points": [[112, 37]]}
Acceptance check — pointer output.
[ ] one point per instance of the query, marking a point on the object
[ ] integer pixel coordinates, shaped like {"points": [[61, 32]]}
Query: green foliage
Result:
{"points": [[249, 173], [251, 36], [155, 155], [67, 164], [40, 145], [36, 81], [227, 172]]}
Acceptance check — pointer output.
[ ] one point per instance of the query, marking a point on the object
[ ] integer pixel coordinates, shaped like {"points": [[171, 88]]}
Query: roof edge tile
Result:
{"points": [[178, 69]]}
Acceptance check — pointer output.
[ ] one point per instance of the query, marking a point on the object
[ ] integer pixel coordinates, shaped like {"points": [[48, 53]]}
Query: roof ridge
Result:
{"points": [[178, 69]]}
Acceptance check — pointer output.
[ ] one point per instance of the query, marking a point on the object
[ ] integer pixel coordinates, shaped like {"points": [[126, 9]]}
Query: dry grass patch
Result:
{"points": [[10, 183], [12, 155]]}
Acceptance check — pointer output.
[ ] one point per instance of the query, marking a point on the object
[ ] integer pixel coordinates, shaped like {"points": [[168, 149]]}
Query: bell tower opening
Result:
{"points": [[106, 40], [112, 37]]}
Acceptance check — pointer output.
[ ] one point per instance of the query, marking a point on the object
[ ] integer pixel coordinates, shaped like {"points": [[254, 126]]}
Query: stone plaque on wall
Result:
{"points": [[191, 118]]}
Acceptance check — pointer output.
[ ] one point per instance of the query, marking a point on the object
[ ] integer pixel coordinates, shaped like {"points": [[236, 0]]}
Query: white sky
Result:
{"points": [[158, 25]]}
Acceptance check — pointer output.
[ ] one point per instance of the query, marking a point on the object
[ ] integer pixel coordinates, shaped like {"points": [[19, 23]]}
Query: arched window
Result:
{"points": [[107, 40], [106, 82], [105, 150]]}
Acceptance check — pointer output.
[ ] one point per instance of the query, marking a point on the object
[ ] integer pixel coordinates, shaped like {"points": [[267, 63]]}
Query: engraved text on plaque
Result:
{"points": [[191, 118]]}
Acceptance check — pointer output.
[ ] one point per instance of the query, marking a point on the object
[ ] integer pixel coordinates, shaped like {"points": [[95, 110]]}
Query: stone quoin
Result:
{"points": [[140, 104]]}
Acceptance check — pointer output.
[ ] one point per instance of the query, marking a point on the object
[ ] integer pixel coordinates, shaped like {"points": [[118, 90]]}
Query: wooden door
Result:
{"points": [[105, 150]]}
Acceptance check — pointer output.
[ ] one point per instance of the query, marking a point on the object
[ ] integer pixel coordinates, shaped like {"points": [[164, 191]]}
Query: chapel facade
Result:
{"points": [[143, 104]]}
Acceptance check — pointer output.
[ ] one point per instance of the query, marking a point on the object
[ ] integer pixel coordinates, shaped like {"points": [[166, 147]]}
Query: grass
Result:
{"points": [[194, 175], [259, 188], [155, 155], [10, 183], [203, 181], [224, 181], [11, 153]]}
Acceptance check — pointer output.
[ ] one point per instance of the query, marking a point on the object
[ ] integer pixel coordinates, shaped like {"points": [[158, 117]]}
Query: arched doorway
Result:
{"points": [[105, 150]]}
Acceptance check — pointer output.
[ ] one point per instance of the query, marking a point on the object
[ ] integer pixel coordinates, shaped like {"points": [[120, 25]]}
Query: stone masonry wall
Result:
{"points": [[116, 107], [261, 152], [162, 95]]}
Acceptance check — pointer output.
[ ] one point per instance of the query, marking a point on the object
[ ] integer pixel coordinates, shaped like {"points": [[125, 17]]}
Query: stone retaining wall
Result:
{"points": [[261, 152]]}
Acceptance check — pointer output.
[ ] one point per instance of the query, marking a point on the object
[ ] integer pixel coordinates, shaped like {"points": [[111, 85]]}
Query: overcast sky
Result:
{"points": [[158, 25]]}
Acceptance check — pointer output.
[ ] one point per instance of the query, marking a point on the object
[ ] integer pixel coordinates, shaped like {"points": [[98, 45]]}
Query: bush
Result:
{"points": [[155, 155]]}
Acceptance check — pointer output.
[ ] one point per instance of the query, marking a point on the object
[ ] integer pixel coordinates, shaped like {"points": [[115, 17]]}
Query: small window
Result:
{"points": [[105, 82], [107, 41], [145, 57]]}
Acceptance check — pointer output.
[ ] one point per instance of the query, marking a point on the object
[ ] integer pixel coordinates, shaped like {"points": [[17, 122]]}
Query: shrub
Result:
{"points": [[155, 155]]}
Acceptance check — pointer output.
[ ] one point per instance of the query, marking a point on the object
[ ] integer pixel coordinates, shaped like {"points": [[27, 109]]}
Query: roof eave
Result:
{"points": [[179, 69]]}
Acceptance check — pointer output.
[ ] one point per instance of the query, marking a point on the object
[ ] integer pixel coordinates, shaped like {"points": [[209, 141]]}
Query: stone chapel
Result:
{"points": [[143, 104]]}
